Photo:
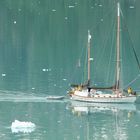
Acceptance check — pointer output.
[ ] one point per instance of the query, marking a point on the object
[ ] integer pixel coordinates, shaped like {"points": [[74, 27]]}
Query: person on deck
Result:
{"points": [[130, 91]]}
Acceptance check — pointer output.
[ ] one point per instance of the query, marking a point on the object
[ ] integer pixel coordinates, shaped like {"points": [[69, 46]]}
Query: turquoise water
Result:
{"points": [[42, 45], [65, 121]]}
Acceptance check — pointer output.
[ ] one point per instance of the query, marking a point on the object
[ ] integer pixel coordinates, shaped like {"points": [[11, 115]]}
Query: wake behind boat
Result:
{"points": [[87, 93]]}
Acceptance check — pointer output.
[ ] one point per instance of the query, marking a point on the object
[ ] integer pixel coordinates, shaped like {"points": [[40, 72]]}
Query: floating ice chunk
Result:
{"points": [[44, 69], [102, 19], [3, 74], [58, 121], [100, 5], [15, 22], [19, 9], [71, 6], [25, 127], [104, 136], [91, 59], [53, 10], [78, 137], [131, 7], [136, 125], [66, 18]]}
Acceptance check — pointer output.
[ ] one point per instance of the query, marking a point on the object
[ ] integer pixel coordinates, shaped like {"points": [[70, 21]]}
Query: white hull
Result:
{"points": [[103, 98], [55, 97]]}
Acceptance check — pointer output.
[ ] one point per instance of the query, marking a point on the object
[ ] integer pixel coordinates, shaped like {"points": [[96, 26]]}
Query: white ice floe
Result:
{"points": [[19, 9], [53, 10], [100, 5], [71, 6], [91, 59], [46, 69], [131, 7], [102, 19], [24, 127], [66, 18], [3, 74], [15, 22]]}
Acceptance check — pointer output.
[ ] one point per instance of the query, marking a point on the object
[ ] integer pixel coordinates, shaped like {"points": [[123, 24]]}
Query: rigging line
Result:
{"points": [[85, 66], [136, 57], [134, 51], [106, 38], [110, 12], [136, 78], [84, 47], [79, 58], [84, 53], [105, 46], [111, 52]]}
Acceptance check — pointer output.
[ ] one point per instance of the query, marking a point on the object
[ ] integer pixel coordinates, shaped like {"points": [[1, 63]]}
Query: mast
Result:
{"points": [[118, 48], [88, 46]]}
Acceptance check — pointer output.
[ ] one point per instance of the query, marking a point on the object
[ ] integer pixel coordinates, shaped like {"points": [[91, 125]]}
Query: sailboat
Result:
{"points": [[87, 93]]}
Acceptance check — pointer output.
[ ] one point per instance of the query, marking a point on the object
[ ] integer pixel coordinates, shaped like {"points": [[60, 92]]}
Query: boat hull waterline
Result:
{"points": [[111, 99]]}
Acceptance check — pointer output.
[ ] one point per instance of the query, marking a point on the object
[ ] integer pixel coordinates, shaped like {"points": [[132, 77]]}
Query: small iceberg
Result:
{"points": [[44, 70], [24, 127], [100, 5], [53, 10], [3, 74], [64, 79], [91, 59], [15, 22], [71, 6]]}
